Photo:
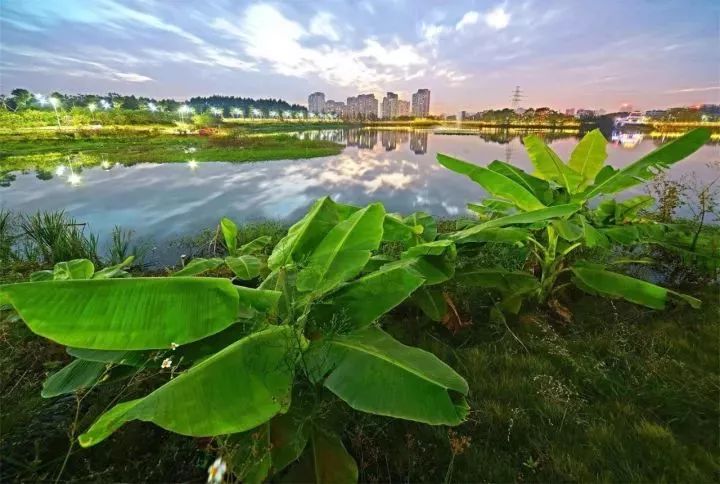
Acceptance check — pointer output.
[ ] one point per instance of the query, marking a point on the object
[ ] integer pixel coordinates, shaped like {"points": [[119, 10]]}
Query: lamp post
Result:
{"points": [[55, 102]]}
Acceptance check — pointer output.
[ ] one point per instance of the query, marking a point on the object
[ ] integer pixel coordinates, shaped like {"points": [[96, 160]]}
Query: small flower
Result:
{"points": [[167, 363], [174, 346], [216, 471]]}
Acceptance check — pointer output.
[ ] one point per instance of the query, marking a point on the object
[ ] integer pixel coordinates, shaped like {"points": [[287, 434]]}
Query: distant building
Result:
{"points": [[419, 142], [316, 103], [390, 106], [584, 113], [403, 108], [351, 109], [421, 103], [570, 112], [367, 106], [655, 113], [337, 108]]}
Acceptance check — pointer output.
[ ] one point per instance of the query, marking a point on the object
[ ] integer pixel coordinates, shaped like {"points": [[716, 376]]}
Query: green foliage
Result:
{"points": [[553, 233], [307, 331]]}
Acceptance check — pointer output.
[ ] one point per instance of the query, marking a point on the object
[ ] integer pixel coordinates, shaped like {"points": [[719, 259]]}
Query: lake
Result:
{"points": [[161, 202]]}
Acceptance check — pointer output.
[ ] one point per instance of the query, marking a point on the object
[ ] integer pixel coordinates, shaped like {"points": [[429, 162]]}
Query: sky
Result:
{"points": [[470, 54]]}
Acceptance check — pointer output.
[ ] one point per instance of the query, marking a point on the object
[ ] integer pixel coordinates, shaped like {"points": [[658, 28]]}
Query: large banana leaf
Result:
{"points": [[427, 222], [126, 314], [627, 210], [77, 375], [119, 357], [199, 265], [306, 234], [435, 261], [494, 182], [523, 218], [539, 187], [325, 461], [372, 372], [396, 230], [74, 269], [549, 166], [345, 250], [362, 301], [507, 282], [255, 246], [595, 279], [502, 235], [431, 301], [230, 234], [234, 390], [244, 267], [649, 165], [589, 155]]}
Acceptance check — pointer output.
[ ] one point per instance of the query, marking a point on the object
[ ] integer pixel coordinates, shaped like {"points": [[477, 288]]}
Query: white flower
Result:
{"points": [[174, 346], [167, 363], [216, 471]]}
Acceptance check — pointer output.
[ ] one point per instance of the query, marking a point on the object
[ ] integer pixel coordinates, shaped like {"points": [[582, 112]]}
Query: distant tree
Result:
{"points": [[21, 98]]}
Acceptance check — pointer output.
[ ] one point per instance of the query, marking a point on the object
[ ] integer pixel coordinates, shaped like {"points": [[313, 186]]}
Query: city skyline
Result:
{"points": [[469, 54]]}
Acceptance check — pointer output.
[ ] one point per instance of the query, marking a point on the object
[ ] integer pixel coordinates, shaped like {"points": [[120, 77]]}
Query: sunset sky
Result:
{"points": [[471, 54]]}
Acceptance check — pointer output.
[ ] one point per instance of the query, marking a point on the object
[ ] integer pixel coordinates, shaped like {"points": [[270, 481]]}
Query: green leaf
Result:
{"points": [[74, 269], [502, 235], [131, 314], [255, 246], [42, 276], [593, 237], [539, 187], [77, 375], [374, 373], [230, 234], [596, 280], [435, 261], [627, 210], [431, 301], [325, 461], [118, 357], [427, 222], [523, 218], [366, 299], [567, 230], [199, 265], [589, 155], [345, 250], [306, 234], [507, 282], [395, 230], [493, 182], [245, 267], [254, 301], [651, 164], [114, 271], [209, 399], [549, 166]]}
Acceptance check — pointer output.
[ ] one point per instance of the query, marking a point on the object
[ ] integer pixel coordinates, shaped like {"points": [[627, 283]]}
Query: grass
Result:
{"points": [[45, 152]]}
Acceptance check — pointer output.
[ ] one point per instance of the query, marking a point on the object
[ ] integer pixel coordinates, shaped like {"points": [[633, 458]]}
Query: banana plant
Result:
{"points": [[563, 207], [246, 261], [253, 366]]}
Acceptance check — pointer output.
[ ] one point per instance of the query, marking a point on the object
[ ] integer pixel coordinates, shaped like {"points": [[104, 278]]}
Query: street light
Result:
{"points": [[183, 110], [55, 102]]}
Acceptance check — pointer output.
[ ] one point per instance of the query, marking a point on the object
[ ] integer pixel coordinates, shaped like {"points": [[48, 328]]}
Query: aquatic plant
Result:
{"points": [[565, 207], [257, 366]]}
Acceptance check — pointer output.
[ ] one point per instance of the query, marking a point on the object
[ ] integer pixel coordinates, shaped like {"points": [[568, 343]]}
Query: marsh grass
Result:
{"points": [[55, 236]]}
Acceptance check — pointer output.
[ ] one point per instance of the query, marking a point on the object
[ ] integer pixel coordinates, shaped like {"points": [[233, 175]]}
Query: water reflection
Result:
{"points": [[163, 201]]}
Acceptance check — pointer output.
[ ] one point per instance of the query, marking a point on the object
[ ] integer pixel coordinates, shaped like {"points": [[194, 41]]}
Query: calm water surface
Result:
{"points": [[161, 202]]}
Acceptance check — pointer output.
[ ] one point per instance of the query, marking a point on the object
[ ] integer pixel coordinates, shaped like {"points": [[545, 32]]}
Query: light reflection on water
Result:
{"points": [[397, 167]]}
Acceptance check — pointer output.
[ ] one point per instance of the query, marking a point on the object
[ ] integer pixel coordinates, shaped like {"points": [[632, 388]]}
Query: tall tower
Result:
{"points": [[517, 96]]}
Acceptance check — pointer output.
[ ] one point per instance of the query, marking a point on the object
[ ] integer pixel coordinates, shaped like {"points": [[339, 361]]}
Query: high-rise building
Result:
{"points": [[316, 103], [351, 109], [421, 103], [367, 106], [570, 112], [337, 108], [390, 106], [403, 108]]}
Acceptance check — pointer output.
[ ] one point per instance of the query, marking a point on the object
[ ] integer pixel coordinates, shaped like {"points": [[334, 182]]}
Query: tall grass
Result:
{"points": [[55, 236], [122, 246], [7, 236]]}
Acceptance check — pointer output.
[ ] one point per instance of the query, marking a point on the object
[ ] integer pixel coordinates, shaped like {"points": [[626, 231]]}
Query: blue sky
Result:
{"points": [[471, 54]]}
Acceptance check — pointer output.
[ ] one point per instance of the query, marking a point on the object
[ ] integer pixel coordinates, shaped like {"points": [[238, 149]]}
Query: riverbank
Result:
{"points": [[45, 151]]}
